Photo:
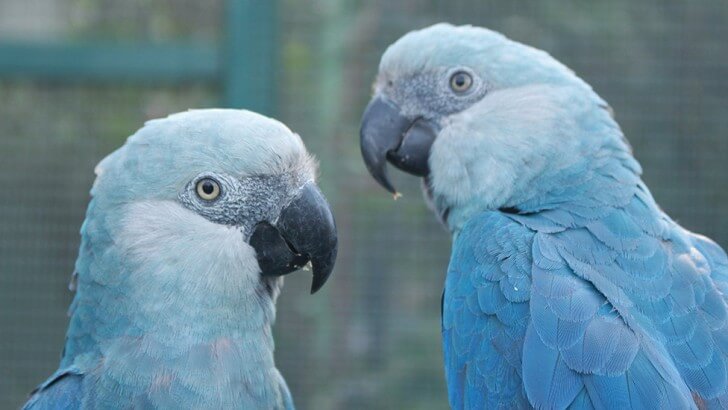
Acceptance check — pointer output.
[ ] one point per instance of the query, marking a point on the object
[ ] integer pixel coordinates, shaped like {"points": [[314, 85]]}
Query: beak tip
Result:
{"points": [[377, 168], [323, 268], [318, 282], [384, 182]]}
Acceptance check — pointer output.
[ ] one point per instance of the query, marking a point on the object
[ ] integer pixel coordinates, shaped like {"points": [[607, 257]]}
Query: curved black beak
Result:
{"points": [[304, 232], [387, 135]]}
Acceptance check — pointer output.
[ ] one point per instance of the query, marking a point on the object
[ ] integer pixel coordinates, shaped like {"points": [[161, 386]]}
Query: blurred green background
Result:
{"points": [[78, 76]]}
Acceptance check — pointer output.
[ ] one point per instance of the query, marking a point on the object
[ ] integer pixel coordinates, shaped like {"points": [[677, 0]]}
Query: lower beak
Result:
{"points": [[387, 135], [304, 232]]}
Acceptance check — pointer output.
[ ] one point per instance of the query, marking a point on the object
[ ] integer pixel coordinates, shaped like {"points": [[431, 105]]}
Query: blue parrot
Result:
{"points": [[568, 287], [191, 226]]}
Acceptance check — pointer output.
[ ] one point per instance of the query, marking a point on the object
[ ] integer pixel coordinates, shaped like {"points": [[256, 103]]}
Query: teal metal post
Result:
{"points": [[249, 77], [110, 62]]}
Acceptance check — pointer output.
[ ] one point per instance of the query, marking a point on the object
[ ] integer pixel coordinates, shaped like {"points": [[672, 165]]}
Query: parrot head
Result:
{"points": [[210, 200], [482, 118]]}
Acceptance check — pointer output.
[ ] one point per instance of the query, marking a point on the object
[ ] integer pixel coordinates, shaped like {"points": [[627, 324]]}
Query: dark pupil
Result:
{"points": [[460, 80], [207, 187]]}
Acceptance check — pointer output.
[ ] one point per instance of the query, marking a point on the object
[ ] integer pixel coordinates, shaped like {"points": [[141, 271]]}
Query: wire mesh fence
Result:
{"points": [[370, 339]]}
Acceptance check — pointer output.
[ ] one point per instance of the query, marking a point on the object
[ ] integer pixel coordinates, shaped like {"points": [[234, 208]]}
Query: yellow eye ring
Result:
{"points": [[207, 189], [461, 82]]}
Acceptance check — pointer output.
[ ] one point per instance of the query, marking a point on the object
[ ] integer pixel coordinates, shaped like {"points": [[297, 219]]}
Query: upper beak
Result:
{"points": [[305, 231], [388, 135]]}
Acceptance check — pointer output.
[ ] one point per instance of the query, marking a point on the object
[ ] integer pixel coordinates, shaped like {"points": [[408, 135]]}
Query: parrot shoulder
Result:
{"points": [[622, 299], [63, 390], [587, 339], [716, 258]]}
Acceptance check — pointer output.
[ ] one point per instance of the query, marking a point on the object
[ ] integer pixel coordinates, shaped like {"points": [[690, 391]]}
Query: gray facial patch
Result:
{"points": [[245, 201], [429, 94]]}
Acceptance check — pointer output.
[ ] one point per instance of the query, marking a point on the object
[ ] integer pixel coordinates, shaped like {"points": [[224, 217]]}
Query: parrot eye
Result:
{"points": [[208, 189], [461, 82]]}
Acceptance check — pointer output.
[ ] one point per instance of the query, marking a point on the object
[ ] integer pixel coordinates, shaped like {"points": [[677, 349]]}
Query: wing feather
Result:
{"points": [[608, 304]]}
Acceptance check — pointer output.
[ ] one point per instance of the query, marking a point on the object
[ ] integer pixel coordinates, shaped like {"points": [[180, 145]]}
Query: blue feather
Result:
{"points": [[63, 390], [709, 380], [549, 382], [491, 298]]}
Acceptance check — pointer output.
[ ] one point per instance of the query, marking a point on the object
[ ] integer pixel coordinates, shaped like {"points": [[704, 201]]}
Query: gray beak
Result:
{"points": [[387, 135], [304, 232]]}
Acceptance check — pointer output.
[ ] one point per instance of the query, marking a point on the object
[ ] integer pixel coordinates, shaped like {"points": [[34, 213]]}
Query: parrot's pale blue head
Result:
{"points": [[193, 222], [481, 117]]}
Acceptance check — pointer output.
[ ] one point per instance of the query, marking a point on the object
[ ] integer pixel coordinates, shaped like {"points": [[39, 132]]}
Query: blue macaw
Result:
{"points": [[191, 226], [567, 287]]}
